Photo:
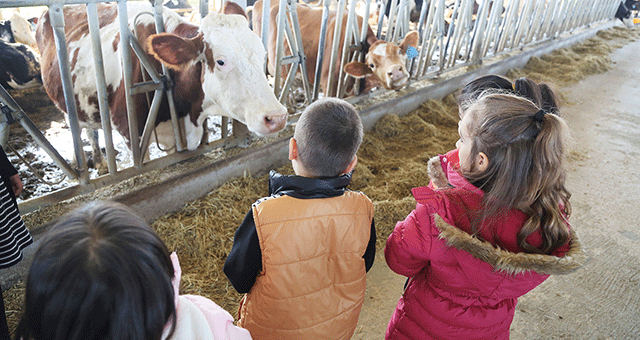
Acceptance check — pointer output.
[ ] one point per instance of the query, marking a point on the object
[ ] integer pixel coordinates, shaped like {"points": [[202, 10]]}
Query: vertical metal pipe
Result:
{"points": [[475, 47], [381, 13], [301, 54], [507, 25], [57, 24], [401, 20], [427, 39], [127, 71], [281, 17], [522, 23], [264, 30], [175, 122], [535, 24], [493, 27], [337, 33], [101, 85], [348, 38], [423, 13], [550, 13], [203, 8], [391, 25], [322, 40]]}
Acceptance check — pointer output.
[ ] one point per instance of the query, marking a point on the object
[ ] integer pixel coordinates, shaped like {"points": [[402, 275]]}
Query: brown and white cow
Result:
{"points": [[390, 71], [218, 69]]}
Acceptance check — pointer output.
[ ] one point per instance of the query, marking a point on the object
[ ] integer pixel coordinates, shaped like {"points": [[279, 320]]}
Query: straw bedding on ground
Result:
{"points": [[392, 160]]}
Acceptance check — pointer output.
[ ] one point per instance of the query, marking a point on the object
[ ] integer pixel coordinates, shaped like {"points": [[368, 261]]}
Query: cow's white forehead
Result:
{"points": [[380, 50], [230, 36]]}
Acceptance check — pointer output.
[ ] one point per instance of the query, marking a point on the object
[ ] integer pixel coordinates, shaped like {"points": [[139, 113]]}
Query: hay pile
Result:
{"points": [[392, 160]]}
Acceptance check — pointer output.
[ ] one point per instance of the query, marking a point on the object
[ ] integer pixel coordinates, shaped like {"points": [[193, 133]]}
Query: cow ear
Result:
{"points": [[231, 7], [371, 37], [411, 39], [174, 51], [357, 69]]}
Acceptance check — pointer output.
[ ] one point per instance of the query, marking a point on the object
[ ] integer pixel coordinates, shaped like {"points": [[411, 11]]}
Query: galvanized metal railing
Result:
{"points": [[496, 27]]}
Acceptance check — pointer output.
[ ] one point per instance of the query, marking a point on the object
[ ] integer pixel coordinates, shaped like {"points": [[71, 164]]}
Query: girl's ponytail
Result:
{"points": [[526, 146], [550, 205]]}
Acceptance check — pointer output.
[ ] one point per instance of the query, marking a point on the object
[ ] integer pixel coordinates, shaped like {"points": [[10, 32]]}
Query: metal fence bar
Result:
{"points": [[494, 26], [322, 40], [57, 24], [18, 114], [349, 33], [524, 22], [101, 86], [427, 39], [334, 48]]}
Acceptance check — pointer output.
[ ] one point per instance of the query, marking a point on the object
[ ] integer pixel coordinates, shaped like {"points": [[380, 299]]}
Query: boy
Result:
{"points": [[302, 253]]}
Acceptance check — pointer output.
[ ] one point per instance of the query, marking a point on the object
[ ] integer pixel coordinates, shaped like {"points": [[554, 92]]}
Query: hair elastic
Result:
{"points": [[513, 86], [539, 116]]}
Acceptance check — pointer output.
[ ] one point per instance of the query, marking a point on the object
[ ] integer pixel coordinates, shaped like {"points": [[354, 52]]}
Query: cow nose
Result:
{"points": [[396, 73], [276, 120]]}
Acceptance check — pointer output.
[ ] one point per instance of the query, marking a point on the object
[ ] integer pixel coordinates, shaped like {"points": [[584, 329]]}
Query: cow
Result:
{"points": [[390, 70], [17, 30], [217, 69], [624, 11], [19, 66]]}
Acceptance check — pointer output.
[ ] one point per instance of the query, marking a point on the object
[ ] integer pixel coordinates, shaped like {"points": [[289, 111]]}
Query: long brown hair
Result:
{"points": [[526, 148]]}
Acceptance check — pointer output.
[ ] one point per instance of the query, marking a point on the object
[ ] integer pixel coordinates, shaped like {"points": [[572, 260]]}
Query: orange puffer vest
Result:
{"points": [[313, 275]]}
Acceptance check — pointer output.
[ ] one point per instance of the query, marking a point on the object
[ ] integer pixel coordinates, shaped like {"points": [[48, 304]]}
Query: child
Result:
{"points": [[540, 94], [102, 273], [470, 251], [302, 253], [14, 235]]}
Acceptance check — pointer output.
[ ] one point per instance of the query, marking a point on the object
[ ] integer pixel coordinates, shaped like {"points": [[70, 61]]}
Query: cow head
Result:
{"points": [[386, 62], [230, 58], [21, 29]]}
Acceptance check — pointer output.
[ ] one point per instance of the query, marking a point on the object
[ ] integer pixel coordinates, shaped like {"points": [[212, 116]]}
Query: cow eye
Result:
{"points": [[220, 62], [372, 66]]}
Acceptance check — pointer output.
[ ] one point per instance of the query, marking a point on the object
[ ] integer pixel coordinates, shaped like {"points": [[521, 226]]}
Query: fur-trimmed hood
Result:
{"points": [[509, 262], [503, 260]]}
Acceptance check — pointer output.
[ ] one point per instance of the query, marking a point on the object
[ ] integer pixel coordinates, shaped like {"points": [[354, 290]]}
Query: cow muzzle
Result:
{"points": [[396, 76], [275, 121]]}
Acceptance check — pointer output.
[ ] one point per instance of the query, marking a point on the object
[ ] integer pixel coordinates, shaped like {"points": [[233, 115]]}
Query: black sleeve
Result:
{"points": [[6, 168], [244, 262], [370, 253]]}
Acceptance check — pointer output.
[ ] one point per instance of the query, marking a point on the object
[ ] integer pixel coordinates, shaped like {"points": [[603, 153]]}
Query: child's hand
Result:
{"points": [[16, 184]]}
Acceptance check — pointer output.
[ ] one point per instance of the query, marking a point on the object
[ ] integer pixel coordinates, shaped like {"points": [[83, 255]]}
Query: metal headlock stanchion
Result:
{"points": [[11, 113]]}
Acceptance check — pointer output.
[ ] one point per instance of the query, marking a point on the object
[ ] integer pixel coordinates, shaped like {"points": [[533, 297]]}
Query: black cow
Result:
{"points": [[625, 8], [19, 66]]}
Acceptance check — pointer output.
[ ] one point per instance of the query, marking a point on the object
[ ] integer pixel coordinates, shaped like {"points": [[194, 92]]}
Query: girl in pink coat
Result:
{"points": [[471, 249]]}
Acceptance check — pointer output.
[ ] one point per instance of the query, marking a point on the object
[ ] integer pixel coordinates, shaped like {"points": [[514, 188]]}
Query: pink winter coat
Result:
{"points": [[460, 287], [198, 318]]}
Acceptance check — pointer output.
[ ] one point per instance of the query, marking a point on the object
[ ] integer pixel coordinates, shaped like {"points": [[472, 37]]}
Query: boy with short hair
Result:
{"points": [[302, 253]]}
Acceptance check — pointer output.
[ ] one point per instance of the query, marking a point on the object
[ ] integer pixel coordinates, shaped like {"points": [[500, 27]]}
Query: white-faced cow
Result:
{"points": [[389, 67], [217, 69]]}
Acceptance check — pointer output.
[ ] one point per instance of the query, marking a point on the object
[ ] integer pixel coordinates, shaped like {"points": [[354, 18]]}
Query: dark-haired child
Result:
{"points": [[471, 250], [302, 253], [102, 273], [539, 93]]}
